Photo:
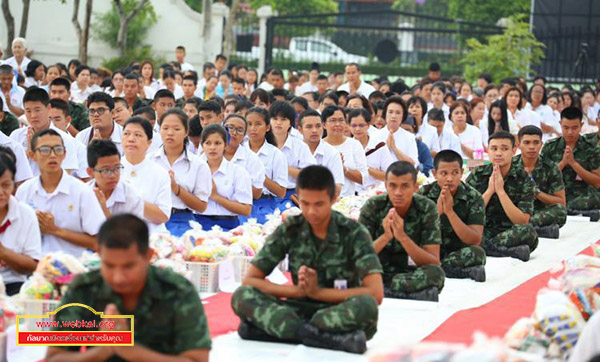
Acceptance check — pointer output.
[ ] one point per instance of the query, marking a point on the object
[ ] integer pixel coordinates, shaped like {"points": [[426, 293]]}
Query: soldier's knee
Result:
{"points": [[435, 275], [242, 295]]}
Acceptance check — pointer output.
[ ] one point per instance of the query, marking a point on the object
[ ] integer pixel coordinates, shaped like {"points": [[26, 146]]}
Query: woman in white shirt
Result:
{"points": [[400, 142], [497, 121], [469, 135], [438, 91], [417, 107], [152, 181], [232, 189], [147, 73], [523, 117], [79, 89], [116, 88], [262, 142], [35, 74], [191, 181], [377, 153], [466, 91], [353, 153], [20, 238]]}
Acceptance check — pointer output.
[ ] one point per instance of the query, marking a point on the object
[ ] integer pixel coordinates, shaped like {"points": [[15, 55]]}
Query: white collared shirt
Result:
{"points": [[470, 137], [186, 66], [449, 141], [23, 167], [275, 163], [191, 174], [12, 61], [233, 183], [374, 131], [78, 95], [22, 237], [364, 89], [16, 98], [327, 156], [123, 200], [156, 142], [84, 136], [250, 162], [354, 159], [73, 205], [154, 185], [298, 155], [428, 135], [548, 118], [526, 117], [405, 142], [305, 88], [379, 160], [71, 161]]}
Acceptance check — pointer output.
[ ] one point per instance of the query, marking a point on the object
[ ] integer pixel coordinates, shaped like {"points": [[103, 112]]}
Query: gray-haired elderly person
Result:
{"points": [[19, 60], [11, 94]]}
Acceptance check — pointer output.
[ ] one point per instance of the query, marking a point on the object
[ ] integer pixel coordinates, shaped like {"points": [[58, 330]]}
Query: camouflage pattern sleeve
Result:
{"points": [[525, 202], [274, 250], [476, 209], [475, 180], [594, 158], [369, 218], [366, 261], [555, 179], [430, 224], [190, 324]]}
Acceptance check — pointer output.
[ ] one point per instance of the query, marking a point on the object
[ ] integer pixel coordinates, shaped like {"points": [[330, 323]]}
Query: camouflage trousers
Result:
{"points": [[282, 318], [586, 200], [549, 215], [522, 234], [419, 278], [464, 258]]}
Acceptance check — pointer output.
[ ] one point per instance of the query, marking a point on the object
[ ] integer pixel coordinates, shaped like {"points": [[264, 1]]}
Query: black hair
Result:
{"points": [[488, 88], [301, 101], [227, 74], [359, 112], [308, 113], [502, 135], [401, 168], [447, 156], [122, 230], [244, 104], [510, 81], [486, 77], [316, 178], [32, 67], [572, 113], [143, 122], [183, 118], [269, 137], [42, 133], [396, 100], [36, 95], [530, 130], [212, 129], [8, 161], [59, 104], [195, 101], [120, 100], [285, 110], [434, 67], [262, 95], [436, 114], [8, 152], [58, 82], [81, 68], [440, 85], [544, 96], [131, 76], [163, 93], [329, 95], [101, 97], [276, 72], [420, 101], [210, 106], [147, 111], [538, 77], [514, 89], [503, 120], [221, 56], [100, 148], [329, 111], [239, 80], [195, 128]]}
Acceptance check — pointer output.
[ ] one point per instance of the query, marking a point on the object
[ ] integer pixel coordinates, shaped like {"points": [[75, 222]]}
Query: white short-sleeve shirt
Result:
{"points": [[250, 162], [124, 200], [470, 137], [154, 185], [78, 95], [526, 117], [380, 160], [84, 136], [298, 155], [73, 205], [449, 141], [191, 174], [428, 135], [365, 89], [71, 161], [23, 167], [275, 163], [233, 183], [548, 118], [354, 159], [22, 236], [16, 98], [156, 142], [327, 156], [405, 142]]}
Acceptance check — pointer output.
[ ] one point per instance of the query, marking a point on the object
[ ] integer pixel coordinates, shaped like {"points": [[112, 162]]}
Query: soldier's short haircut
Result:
{"points": [[447, 156], [572, 113], [502, 135], [316, 178], [530, 130], [401, 168], [123, 230]]}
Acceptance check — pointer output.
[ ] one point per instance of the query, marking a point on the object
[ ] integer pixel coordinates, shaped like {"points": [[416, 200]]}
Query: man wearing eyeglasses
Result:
{"points": [[68, 212], [37, 110], [100, 109]]}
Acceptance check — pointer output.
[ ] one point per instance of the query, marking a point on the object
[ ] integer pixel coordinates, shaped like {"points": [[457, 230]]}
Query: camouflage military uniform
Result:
{"points": [[169, 317], [592, 137], [139, 103], [9, 123], [499, 230], [468, 205], [180, 103], [347, 254], [548, 179], [79, 116], [422, 225], [580, 195]]}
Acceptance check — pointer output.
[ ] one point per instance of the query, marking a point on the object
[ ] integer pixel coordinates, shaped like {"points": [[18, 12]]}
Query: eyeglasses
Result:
{"points": [[99, 111], [108, 172], [232, 129], [46, 150]]}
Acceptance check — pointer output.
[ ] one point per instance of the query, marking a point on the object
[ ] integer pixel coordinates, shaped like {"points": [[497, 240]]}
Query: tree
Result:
{"points": [[124, 20], [508, 54], [488, 11], [295, 7], [229, 41], [83, 34], [10, 23]]}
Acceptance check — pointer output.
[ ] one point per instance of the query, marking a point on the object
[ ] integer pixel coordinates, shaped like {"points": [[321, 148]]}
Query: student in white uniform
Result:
{"points": [[37, 106], [235, 152], [114, 195], [523, 117], [121, 113], [79, 89], [538, 96], [150, 115], [11, 147], [102, 126], [377, 153], [417, 107], [497, 120], [446, 138], [296, 152], [68, 212], [400, 142], [325, 154], [353, 155], [151, 180], [232, 188], [438, 92], [262, 142], [163, 101], [20, 239], [469, 135], [191, 183]]}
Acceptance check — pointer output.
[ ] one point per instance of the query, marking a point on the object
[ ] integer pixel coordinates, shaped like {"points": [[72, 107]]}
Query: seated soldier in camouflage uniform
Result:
{"points": [[579, 160], [507, 192], [169, 320], [593, 137], [462, 216], [336, 273], [550, 210], [405, 226]]}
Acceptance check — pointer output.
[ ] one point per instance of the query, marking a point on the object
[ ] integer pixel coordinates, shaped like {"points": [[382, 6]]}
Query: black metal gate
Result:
{"points": [[382, 42]]}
